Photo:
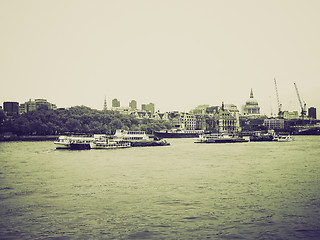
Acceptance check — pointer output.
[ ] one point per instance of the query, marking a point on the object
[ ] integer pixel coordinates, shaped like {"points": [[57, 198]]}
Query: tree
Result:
{"points": [[115, 124], [73, 125]]}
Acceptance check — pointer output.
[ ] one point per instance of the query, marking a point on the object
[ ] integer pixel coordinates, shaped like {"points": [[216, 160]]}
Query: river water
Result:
{"points": [[256, 190]]}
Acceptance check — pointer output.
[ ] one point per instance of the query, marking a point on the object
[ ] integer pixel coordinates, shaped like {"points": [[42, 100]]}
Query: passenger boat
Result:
{"points": [[219, 138], [63, 142], [131, 135], [262, 137], [73, 142], [283, 138], [139, 138], [102, 142], [80, 143], [178, 133]]}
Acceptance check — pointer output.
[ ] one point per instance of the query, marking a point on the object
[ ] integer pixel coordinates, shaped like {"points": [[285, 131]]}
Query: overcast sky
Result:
{"points": [[176, 54]]}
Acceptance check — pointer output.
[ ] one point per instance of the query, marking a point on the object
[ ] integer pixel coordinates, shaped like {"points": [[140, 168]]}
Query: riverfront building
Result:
{"points": [[312, 112], [275, 123], [32, 105], [11, 108]]}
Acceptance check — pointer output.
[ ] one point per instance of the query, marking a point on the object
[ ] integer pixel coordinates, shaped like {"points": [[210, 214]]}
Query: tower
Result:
{"points": [[105, 104], [251, 107]]}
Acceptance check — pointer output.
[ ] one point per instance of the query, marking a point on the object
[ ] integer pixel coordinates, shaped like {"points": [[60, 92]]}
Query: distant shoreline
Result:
{"points": [[28, 138]]}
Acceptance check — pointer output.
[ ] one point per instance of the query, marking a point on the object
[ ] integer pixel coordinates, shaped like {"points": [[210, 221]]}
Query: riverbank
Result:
{"points": [[10, 138]]}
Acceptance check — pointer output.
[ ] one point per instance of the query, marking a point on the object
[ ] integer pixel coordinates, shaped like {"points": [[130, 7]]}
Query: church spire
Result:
{"points": [[105, 104], [251, 93]]}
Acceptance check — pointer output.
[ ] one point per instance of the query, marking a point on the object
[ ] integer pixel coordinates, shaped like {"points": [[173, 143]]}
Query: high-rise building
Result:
{"points": [[11, 108], [105, 104], [148, 107], [32, 105], [115, 103], [312, 112], [133, 104]]}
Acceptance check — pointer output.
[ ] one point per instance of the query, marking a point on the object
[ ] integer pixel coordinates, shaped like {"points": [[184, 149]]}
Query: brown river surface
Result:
{"points": [[255, 190]]}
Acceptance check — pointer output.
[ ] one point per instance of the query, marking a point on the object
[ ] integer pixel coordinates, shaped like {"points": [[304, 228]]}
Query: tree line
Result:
{"points": [[78, 119]]}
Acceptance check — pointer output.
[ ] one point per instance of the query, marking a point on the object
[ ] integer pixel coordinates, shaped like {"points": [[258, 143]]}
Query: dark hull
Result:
{"points": [[224, 141], [79, 146], [312, 131], [149, 143], [261, 139], [176, 135]]}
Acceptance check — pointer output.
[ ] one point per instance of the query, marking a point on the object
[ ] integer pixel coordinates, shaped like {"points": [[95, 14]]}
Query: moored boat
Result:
{"points": [[262, 137], [219, 138], [140, 138], [73, 142], [102, 142], [283, 138], [178, 133], [63, 142], [80, 143]]}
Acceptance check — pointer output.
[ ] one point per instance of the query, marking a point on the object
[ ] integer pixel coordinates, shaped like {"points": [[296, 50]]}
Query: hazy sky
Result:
{"points": [[176, 54]]}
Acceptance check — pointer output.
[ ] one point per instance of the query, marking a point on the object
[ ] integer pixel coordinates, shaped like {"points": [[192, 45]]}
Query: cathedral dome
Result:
{"points": [[251, 107], [252, 100]]}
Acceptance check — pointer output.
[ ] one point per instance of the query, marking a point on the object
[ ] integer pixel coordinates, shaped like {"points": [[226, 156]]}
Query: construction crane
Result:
{"points": [[303, 106], [279, 104]]}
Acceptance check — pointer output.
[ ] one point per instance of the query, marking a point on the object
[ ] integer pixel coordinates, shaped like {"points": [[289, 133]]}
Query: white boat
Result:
{"points": [[219, 138], [178, 133], [131, 135], [73, 142], [80, 143], [102, 142], [139, 138], [63, 142], [283, 138]]}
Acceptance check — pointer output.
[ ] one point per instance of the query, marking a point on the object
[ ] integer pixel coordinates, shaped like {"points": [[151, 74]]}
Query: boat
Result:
{"points": [[219, 138], [178, 132], [283, 138], [80, 143], [73, 142], [63, 142], [139, 138], [150, 143], [103, 142], [131, 135], [262, 137]]}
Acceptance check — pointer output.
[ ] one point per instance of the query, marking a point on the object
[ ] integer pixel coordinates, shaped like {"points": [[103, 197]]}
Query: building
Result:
{"points": [[226, 122], [133, 104], [274, 123], [200, 110], [161, 116], [32, 105], [290, 115], [234, 112], [148, 107], [223, 118], [11, 108], [188, 121], [115, 103], [251, 107], [312, 112], [183, 120], [105, 104]]}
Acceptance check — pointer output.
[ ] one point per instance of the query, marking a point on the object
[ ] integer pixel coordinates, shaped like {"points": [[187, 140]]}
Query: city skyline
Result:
{"points": [[175, 54]]}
